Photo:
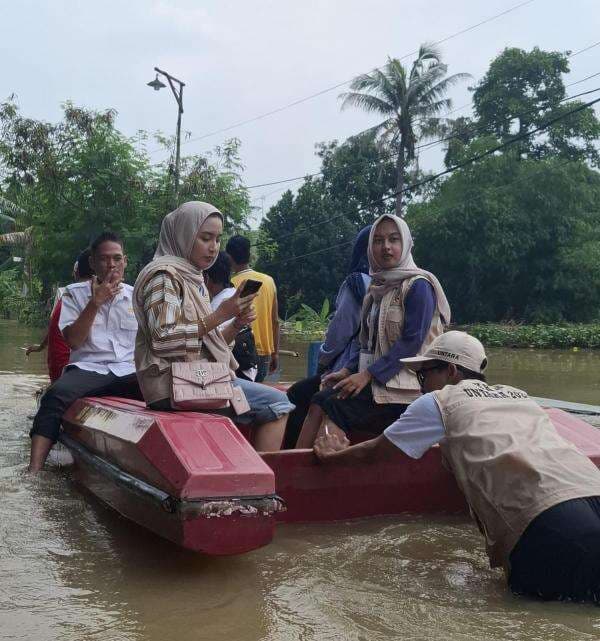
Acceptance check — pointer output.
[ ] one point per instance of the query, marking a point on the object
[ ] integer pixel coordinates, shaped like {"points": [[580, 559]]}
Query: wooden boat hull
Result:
{"points": [[190, 478], [195, 480]]}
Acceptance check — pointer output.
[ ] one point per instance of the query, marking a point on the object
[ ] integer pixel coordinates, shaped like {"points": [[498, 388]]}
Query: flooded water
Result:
{"points": [[73, 570]]}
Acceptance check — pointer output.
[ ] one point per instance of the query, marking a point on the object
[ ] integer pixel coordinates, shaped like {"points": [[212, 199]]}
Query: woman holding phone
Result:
{"points": [[177, 323]]}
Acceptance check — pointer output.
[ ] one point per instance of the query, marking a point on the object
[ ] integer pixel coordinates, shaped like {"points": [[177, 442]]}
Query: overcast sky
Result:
{"points": [[242, 58]]}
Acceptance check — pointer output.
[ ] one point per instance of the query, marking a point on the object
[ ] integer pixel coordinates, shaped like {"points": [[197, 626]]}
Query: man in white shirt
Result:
{"points": [[99, 325]]}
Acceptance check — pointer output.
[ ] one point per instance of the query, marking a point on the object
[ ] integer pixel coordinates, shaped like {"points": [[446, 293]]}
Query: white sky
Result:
{"points": [[241, 58]]}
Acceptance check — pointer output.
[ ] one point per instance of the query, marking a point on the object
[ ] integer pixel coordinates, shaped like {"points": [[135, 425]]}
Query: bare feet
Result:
{"points": [[40, 447]]}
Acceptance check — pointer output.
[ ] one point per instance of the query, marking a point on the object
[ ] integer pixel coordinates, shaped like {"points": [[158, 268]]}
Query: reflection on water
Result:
{"points": [[72, 570], [551, 373]]}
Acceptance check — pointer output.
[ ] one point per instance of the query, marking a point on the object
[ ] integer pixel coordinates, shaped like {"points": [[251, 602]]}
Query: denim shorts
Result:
{"points": [[266, 403]]}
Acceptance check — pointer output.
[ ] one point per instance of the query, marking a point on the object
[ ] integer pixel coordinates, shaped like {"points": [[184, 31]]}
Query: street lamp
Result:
{"points": [[157, 85]]}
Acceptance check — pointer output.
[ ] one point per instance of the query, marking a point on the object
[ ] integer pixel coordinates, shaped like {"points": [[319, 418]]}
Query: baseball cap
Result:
{"points": [[455, 347]]}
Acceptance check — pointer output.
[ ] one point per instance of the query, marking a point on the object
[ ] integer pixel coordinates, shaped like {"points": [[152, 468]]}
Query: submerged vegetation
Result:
{"points": [[571, 336]]}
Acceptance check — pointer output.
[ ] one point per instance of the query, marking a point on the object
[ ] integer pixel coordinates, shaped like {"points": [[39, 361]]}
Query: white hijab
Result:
{"points": [[177, 236], [383, 280]]}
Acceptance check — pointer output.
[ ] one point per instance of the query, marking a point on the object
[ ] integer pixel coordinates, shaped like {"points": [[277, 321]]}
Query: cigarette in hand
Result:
{"points": [[326, 430]]}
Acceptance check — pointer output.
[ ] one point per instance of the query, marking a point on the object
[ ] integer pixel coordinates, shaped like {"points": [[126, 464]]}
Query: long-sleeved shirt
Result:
{"points": [[171, 337], [419, 307], [341, 344]]}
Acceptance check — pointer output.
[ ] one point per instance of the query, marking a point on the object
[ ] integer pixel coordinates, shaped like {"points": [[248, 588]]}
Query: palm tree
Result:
{"points": [[16, 238], [411, 103]]}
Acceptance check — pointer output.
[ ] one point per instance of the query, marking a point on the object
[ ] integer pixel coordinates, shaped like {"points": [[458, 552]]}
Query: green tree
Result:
{"points": [[410, 101], [514, 240], [523, 90], [322, 221], [63, 183]]}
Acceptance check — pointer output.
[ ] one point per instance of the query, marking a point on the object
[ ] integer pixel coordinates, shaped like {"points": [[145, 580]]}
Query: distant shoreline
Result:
{"points": [[563, 336]]}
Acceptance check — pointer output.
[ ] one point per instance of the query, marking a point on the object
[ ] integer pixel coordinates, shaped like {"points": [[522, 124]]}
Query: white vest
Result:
{"points": [[404, 386], [509, 460]]}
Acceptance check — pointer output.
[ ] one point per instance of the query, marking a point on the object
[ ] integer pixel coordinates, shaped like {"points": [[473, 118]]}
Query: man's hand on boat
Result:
{"points": [[327, 445], [353, 385], [105, 291]]}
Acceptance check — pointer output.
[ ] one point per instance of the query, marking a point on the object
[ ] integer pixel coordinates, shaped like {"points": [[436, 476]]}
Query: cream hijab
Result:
{"points": [[176, 241], [383, 280]]}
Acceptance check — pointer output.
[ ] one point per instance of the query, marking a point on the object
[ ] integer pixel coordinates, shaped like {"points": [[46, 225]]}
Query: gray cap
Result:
{"points": [[455, 347]]}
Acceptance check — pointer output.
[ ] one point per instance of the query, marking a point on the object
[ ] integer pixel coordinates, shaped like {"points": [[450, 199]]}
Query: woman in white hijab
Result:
{"points": [[404, 309], [177, 323]]}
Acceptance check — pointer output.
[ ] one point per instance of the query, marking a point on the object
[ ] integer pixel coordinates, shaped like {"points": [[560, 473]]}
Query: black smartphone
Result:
{"points": [[250, 287]]}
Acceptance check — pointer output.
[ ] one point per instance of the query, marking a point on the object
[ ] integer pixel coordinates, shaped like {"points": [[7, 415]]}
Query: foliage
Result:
{"points": [[411, 103], [356, 176], [14, 303], [308, 323], [70, 180], [514, 240], [540, 336], [523, 90]]}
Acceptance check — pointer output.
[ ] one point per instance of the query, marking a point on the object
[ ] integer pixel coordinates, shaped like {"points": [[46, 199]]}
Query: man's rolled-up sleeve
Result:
{"points": [[418, 429]]}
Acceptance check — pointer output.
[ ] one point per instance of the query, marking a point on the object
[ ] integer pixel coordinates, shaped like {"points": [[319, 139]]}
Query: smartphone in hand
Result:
{"points": [[250, 287]]}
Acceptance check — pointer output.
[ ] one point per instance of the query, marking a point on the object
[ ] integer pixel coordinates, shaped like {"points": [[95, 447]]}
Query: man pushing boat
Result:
{"points": [[534, 495], [98, 324]]}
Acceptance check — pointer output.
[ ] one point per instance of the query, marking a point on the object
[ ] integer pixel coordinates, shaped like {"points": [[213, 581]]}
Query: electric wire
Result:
{"points": [[448, 170], [428, 145], [345, 82], [445, 209]]}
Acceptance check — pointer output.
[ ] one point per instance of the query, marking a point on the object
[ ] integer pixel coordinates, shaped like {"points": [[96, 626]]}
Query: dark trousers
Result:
{"points": [[558, 555], [262, 363], [73, 384], [300, 394]]}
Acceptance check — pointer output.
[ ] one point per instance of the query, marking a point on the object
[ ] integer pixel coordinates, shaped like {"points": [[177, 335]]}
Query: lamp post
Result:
{"points": [[157, 85]]}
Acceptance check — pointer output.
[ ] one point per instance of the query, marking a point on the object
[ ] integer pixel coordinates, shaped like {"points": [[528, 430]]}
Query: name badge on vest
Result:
{"points": [[365, 360]]}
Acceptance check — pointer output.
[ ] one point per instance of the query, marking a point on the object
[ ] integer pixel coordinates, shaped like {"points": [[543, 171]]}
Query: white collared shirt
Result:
{"points": [[110, 344], [224, 294]]}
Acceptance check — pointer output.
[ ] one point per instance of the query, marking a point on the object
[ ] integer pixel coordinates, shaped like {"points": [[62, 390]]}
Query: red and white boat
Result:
{"points": [[196, 480]]}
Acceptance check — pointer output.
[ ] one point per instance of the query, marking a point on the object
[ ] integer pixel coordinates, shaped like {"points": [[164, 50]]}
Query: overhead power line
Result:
{"points": [[330, 247], [464, 163], [345, 82], [576, 53], [427, 145]]}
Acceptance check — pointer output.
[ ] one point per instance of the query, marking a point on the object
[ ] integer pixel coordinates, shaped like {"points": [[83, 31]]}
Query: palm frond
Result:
{"points": [[16, 238], [381, 128], [10, 207], [367, 102], [427, 53], [8, 219]]}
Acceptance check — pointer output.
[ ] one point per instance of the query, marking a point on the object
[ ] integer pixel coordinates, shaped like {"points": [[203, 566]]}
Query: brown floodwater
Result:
{"points": [[73, 570]]}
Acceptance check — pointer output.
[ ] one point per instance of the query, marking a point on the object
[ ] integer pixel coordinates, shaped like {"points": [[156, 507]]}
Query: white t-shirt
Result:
{"points": [[111, 341], [418, 429], [224, 294]]}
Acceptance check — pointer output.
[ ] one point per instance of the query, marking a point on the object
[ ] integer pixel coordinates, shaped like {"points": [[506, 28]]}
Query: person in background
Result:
{"points": [[58, 350], [266, 326], [178, 324], [99, 326], [534, 495], [218, 283], [404, 309], [341, 345]]}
